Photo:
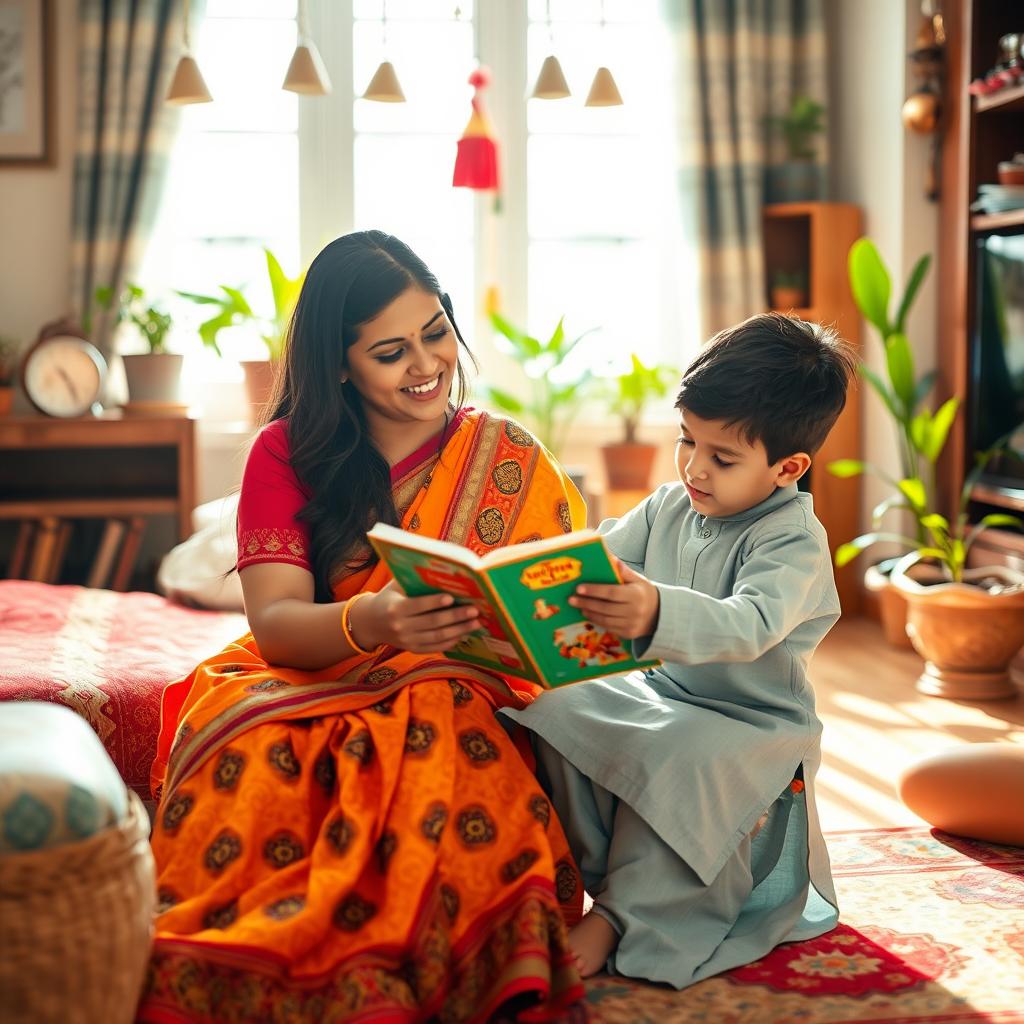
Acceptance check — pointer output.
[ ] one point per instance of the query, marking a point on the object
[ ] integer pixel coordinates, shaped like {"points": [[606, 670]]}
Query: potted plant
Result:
{"points": [[628, 462], [232, 309], [8, 368], [902, 394], [949, 610], [800, 177], [556, 389], [153, 377], [966, 623], [789, 290]]}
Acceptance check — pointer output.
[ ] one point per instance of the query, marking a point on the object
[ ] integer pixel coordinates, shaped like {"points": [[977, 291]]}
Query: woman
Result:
{"points": [[344, 832]]}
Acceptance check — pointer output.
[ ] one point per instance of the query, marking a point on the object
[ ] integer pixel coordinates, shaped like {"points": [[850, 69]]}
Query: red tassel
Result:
{"points": [[476, 162]]}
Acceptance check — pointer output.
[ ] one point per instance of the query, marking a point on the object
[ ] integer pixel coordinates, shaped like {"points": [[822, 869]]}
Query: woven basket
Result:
{"points": [[76, 927]]}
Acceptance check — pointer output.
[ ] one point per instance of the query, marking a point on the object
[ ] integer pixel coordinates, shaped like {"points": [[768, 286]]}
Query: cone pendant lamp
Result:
{"points": [[551, 83], [603, 91], [306, 73], [187, 84], [384, 86]]}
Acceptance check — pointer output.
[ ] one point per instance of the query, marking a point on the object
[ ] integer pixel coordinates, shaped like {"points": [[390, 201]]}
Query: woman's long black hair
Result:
{"points": [[351, 281]]}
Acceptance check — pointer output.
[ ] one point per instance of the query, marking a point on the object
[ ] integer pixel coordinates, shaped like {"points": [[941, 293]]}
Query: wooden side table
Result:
{"points": [[121, 470]]}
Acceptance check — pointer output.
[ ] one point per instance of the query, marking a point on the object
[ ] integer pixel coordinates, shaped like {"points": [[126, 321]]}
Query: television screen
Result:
{"points": [[998, 407]]}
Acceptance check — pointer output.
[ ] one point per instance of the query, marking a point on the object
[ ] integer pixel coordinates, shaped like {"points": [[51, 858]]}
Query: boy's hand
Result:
{"points": [[629, 608]]}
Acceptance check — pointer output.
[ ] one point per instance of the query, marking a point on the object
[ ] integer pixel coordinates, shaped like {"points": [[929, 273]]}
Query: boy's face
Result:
{"points": [[723, 472]]}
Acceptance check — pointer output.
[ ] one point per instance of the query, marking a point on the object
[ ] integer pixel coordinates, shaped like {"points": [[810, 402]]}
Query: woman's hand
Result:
{"points": [[629, 609], [418, 624]]}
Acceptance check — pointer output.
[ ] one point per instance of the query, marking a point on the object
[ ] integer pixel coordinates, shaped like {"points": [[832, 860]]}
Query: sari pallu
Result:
{"points": [[366, 842]]}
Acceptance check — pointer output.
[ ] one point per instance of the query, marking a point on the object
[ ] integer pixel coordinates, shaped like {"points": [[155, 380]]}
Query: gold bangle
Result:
{"points": [[346, 626]]}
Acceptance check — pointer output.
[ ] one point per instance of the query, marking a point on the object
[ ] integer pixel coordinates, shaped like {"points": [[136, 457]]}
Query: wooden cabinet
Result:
{"points": [[813, 239], [978, 133], [91, 482]]}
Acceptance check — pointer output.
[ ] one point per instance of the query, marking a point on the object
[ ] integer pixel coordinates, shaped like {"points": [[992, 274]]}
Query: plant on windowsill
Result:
{"points": [[628, 463], [153, 377], [800, 177], [8, 370], [966, 623], [556, 389], [232, 309]]}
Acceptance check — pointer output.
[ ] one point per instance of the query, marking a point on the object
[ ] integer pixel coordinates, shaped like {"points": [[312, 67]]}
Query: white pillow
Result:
{"points": [[200, 572]]}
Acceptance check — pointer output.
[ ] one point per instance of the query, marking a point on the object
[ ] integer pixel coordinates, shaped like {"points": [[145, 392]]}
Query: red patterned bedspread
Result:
{"points": [[107, 656]]}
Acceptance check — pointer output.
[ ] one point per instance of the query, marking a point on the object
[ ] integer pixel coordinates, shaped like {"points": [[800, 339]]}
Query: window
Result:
{"points": [[588, 228]]}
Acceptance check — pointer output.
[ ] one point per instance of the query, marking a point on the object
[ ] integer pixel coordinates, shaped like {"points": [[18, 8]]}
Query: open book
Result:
{"points": [[528, 628]]}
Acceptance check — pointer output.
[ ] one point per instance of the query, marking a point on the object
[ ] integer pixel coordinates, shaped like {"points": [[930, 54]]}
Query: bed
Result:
{"points": [[106, 656]]}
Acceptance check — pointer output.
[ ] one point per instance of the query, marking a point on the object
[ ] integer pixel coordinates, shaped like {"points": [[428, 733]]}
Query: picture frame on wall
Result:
{"points": [[26, 86]]}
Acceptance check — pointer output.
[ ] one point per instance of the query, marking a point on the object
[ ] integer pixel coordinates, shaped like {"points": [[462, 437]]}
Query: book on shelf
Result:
{"points": [[527, 628]]}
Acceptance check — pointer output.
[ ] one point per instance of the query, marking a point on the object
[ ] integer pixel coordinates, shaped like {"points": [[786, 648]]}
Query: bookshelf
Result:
{"points": [[978, 133], [91, 482], [814, 238]]}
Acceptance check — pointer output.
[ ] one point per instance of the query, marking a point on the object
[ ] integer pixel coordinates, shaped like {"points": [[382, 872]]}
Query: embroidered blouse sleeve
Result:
{"points": [[271, 498]]}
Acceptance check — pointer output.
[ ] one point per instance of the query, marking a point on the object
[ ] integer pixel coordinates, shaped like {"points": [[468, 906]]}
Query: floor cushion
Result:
{"points": [[106, 656]]}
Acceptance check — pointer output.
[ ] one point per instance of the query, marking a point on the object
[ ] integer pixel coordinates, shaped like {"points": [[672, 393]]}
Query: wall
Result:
{"points": [[35, 208], [879, 165]]}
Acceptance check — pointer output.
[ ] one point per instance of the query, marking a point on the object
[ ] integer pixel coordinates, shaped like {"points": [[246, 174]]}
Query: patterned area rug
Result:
{"points": [[932, 929]]}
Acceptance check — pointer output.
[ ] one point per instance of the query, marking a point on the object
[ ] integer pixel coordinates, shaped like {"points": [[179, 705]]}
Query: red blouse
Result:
{"points": [[269, 529]]}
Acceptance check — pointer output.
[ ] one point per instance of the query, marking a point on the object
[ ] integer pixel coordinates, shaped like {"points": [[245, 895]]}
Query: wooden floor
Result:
{"points": [[876, 723]]}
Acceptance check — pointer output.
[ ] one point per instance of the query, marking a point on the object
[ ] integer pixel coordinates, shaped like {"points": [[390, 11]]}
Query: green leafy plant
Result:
{"points": [[921, 432], [789, 279], [9, 349], [628, 394], [232, 309], [553, 402], [948, 543], [799, 125], [152, 323]]}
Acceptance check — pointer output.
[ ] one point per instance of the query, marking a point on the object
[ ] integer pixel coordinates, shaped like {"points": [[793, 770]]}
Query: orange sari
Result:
{"points": [[365, 842]]}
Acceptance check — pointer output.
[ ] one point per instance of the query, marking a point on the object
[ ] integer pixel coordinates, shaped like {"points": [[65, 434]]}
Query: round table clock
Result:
{"points": [[63, 373]]}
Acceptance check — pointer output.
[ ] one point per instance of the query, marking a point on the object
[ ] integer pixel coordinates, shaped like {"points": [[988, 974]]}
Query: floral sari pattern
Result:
{"points": [[366, 842]]}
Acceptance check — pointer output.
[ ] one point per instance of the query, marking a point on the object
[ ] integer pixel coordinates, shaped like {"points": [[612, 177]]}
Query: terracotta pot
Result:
{"points": [[892, 605], [966, 635], [259, 383], [6, 400], [629, 465], [788, 298]]}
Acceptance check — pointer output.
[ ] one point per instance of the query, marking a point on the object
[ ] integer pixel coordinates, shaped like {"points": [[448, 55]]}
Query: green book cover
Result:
{"points": [[528, 628]]}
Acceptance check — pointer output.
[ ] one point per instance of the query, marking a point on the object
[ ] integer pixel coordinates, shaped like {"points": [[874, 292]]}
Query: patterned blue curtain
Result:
{"points": [[740, 63], [126, 52]]}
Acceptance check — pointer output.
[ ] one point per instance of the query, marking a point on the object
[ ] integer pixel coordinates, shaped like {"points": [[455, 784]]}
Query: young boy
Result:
{"points": [[687, 791]]}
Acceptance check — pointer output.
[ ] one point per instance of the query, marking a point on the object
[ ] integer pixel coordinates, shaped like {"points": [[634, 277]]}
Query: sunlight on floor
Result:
{"points": [[876, 724]]}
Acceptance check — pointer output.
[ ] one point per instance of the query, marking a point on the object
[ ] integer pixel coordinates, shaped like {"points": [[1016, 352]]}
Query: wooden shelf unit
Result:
{"points": [[815, 237], [56, 473], [978, 133]]}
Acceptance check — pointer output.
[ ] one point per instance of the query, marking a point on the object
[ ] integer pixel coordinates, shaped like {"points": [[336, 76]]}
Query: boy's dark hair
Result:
{"points": [[781, 380]]}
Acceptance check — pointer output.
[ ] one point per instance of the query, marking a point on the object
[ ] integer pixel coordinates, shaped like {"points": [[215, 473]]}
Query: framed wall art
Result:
{"points": [[26, 86]]}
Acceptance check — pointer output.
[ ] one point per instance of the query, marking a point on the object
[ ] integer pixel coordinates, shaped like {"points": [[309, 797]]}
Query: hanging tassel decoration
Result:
{"points": [[476, 162]]}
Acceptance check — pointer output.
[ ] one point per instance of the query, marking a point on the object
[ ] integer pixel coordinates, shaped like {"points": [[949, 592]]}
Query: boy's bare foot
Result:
{"points": [[592, 940]]}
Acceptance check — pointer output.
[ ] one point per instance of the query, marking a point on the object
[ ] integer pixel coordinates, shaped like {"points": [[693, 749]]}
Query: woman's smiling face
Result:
{"points": [[404, 360]]}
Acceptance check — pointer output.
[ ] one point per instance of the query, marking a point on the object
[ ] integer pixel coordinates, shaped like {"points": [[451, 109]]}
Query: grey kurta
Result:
{"points": [[703, 746]]}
